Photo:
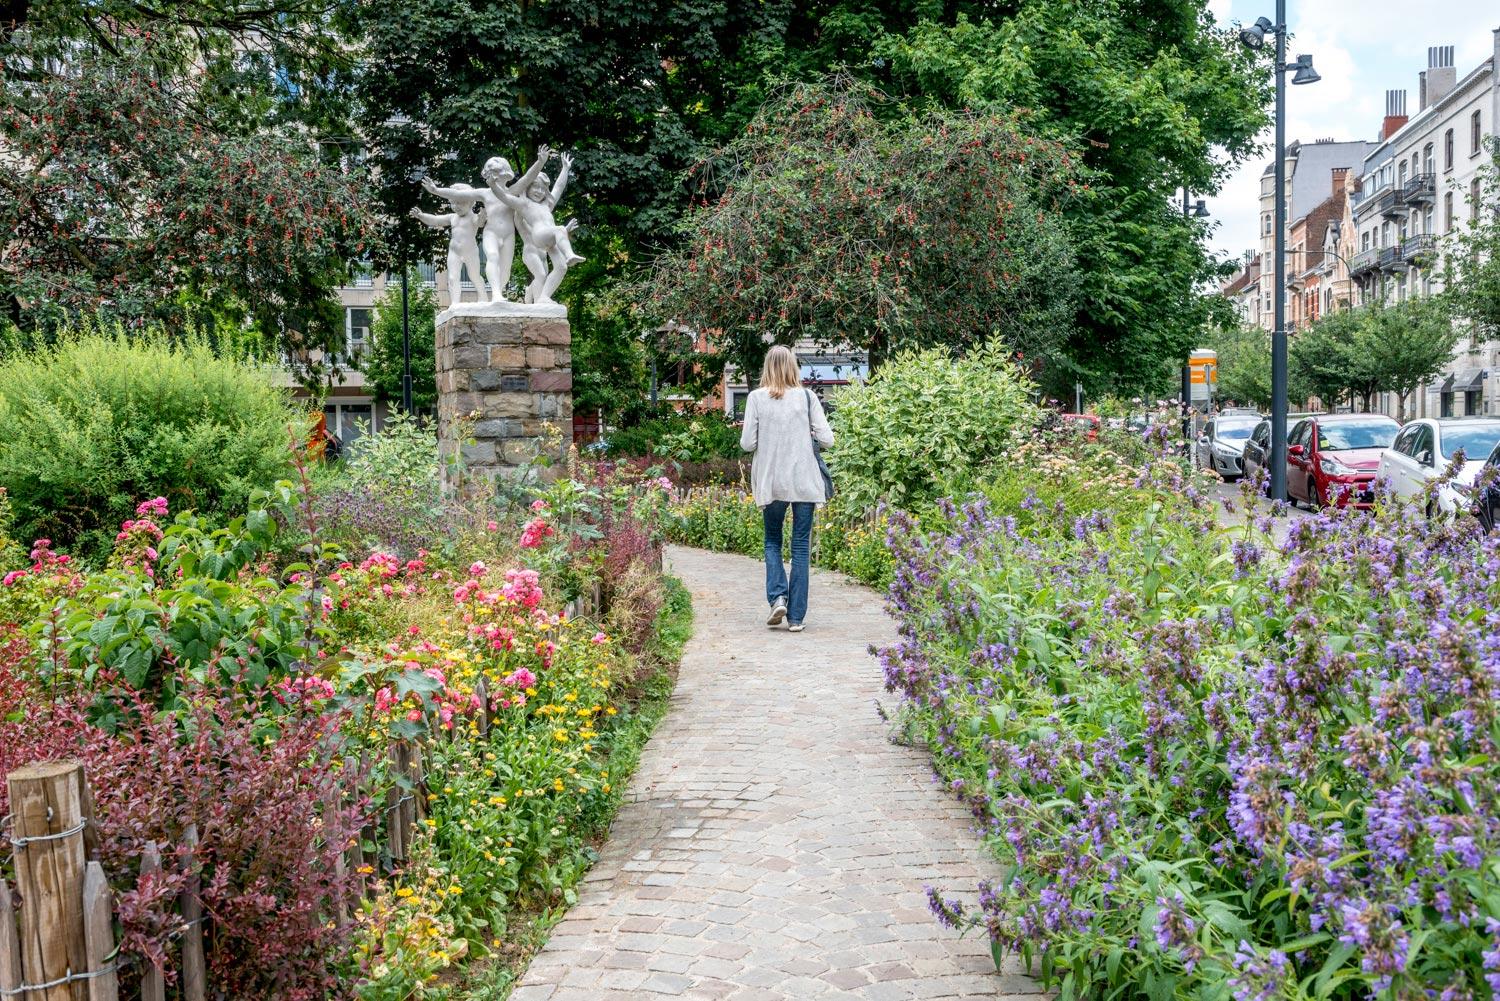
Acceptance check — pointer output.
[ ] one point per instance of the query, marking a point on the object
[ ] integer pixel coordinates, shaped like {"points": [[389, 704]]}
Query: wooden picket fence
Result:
{"points": [[57, 934]]}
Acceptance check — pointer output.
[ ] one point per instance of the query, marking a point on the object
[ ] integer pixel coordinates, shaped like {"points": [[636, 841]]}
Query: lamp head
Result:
{"points": [[1254, 37], [1200, 211], [1305, 72]]}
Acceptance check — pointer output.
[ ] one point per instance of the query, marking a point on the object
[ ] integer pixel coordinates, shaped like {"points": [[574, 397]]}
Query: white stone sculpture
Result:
{"points": [[463, 224], [543, 241], [499, 235]]}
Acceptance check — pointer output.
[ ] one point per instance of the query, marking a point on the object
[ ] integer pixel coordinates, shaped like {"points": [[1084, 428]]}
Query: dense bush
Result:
{"points": [[690, 437], [1211, 766], [926, 419], [98, 423]]}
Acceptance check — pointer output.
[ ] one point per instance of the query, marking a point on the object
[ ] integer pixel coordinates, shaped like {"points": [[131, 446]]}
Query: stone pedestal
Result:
{"points": [[505, 391]]}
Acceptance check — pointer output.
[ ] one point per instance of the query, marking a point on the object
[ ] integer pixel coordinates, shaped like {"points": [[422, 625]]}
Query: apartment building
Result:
{"points": [[1243, 290], [1315, 173], [1420, 184]]}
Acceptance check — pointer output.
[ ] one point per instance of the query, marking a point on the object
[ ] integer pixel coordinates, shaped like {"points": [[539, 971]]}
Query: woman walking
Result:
{"points": [[782, 420]]}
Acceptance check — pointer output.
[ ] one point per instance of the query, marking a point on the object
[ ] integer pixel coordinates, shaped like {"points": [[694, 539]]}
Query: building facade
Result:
{"points": [[1421, 186]]}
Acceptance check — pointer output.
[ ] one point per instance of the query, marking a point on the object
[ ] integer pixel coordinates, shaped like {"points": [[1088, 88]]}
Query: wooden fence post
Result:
{"points": [[194, 980], [99, 934], [153, 982], [47, 833], [10, 942], [395, 810]]}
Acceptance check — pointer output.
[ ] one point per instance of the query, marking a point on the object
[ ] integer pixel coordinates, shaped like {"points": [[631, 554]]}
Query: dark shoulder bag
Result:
{"points": [[818, 452]]}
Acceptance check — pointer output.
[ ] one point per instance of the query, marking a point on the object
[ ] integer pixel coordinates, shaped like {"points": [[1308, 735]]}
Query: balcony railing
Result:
{"points": [[1419, 190], [1414, 249], [1392, 204], [1365, 260], [1389, 257]]}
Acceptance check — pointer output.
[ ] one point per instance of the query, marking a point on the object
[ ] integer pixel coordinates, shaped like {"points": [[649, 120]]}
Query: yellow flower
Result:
{"points": [[557, 784], [560, 735], [404, 891]]}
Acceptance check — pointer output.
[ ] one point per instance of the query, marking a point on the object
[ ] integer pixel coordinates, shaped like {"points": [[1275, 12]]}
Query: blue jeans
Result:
{"points": [[774, 515]]}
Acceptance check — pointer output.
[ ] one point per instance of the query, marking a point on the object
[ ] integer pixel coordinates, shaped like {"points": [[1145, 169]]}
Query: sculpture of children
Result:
{"points": [[499, 236], [543, 240], [463, 247]]}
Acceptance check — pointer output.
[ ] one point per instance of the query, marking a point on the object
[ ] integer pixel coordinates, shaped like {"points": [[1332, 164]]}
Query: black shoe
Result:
{"points": [[778, 612]]}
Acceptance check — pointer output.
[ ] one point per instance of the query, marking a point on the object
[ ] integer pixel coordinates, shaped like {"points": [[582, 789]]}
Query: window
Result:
{"points": [[1266, 225], [356, 332], [1448, 150], [1401, 174], [1404, 440], [1385, 234], [1364, 241], [1427, 158], [348, 421], [1422, 446], [1476, 135], [1448, 212], [1445, 404], [1473, 402], [1474, 200]]}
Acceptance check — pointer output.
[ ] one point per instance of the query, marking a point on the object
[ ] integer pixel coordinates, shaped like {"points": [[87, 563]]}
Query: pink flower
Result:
{"points": [[665, 484], [14, 576], [535, 531], [492, 526], [520, 678], [599, 638], [478, 569], [156, 506], [539, 505]]}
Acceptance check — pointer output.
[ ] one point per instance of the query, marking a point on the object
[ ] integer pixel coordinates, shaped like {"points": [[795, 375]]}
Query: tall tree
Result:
{"points": [[1156, 96], [1409, 343], [830, 222], [164, 163], [1472, 253]]}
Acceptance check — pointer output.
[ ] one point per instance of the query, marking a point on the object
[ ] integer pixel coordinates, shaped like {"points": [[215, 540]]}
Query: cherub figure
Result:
{"points": [[543, 240], [463, 223], [499, 236]]}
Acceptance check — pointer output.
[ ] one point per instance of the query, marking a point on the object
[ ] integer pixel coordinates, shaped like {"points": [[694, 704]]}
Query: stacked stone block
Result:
{"points": [[505, 390]]}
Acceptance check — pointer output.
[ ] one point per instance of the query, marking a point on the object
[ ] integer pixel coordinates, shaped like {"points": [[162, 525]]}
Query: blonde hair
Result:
{"points": [[780, 371]]}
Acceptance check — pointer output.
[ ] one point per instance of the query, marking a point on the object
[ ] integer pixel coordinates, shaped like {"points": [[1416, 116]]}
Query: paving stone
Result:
{"points": [[774, 844]]}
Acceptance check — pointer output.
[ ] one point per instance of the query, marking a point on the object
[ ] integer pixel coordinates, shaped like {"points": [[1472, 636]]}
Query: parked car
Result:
{"points": [[1487, 503], [1331, 459], [1423, 450], [1221, 446], [1086, 424], [1256, 456]]}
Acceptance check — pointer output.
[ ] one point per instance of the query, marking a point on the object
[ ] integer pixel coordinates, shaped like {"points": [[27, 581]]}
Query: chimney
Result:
{"points": [[1439, 78], [1395, 113]]}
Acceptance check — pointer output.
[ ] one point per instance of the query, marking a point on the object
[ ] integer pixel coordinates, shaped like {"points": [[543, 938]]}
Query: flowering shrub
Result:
{"points": [[1215, 766]]}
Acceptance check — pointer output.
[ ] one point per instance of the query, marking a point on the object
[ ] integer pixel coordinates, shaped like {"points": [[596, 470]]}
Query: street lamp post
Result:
{"points": [[1189, 211], [1254, 37], [405, 344]]}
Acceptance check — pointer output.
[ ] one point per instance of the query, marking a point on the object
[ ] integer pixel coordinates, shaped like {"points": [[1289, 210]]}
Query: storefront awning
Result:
{"points": [[1470, 380]]}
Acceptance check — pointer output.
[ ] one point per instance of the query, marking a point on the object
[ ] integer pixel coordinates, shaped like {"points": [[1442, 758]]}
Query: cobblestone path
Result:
{"points": [[774, 844]]}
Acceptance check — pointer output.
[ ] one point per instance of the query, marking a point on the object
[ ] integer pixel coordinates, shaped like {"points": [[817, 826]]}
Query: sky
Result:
{"points": [[1361, 48]]}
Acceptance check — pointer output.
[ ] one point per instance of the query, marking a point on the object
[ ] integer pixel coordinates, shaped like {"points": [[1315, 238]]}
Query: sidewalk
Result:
{"points": [[775, 844]]}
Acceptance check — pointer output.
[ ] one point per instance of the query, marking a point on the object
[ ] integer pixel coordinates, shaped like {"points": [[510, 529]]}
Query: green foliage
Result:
{"points": [[1472, 253], [127, 202], [1379, 347], [1156, 102], [925, 419], [680, 437], [894, 230], [383, 366], [1244, 366], [98, 423]]}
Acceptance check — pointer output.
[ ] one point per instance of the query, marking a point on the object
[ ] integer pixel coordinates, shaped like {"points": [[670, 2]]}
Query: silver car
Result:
{"points": [[1221, 446]]}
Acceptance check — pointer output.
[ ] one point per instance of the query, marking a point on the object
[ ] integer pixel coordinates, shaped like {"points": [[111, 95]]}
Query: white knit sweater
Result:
{"points": [[780, 433]]}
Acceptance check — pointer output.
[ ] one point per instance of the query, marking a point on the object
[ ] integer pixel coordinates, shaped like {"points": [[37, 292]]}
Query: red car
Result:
{"points": [[1331, 459], [1088, 424]]}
